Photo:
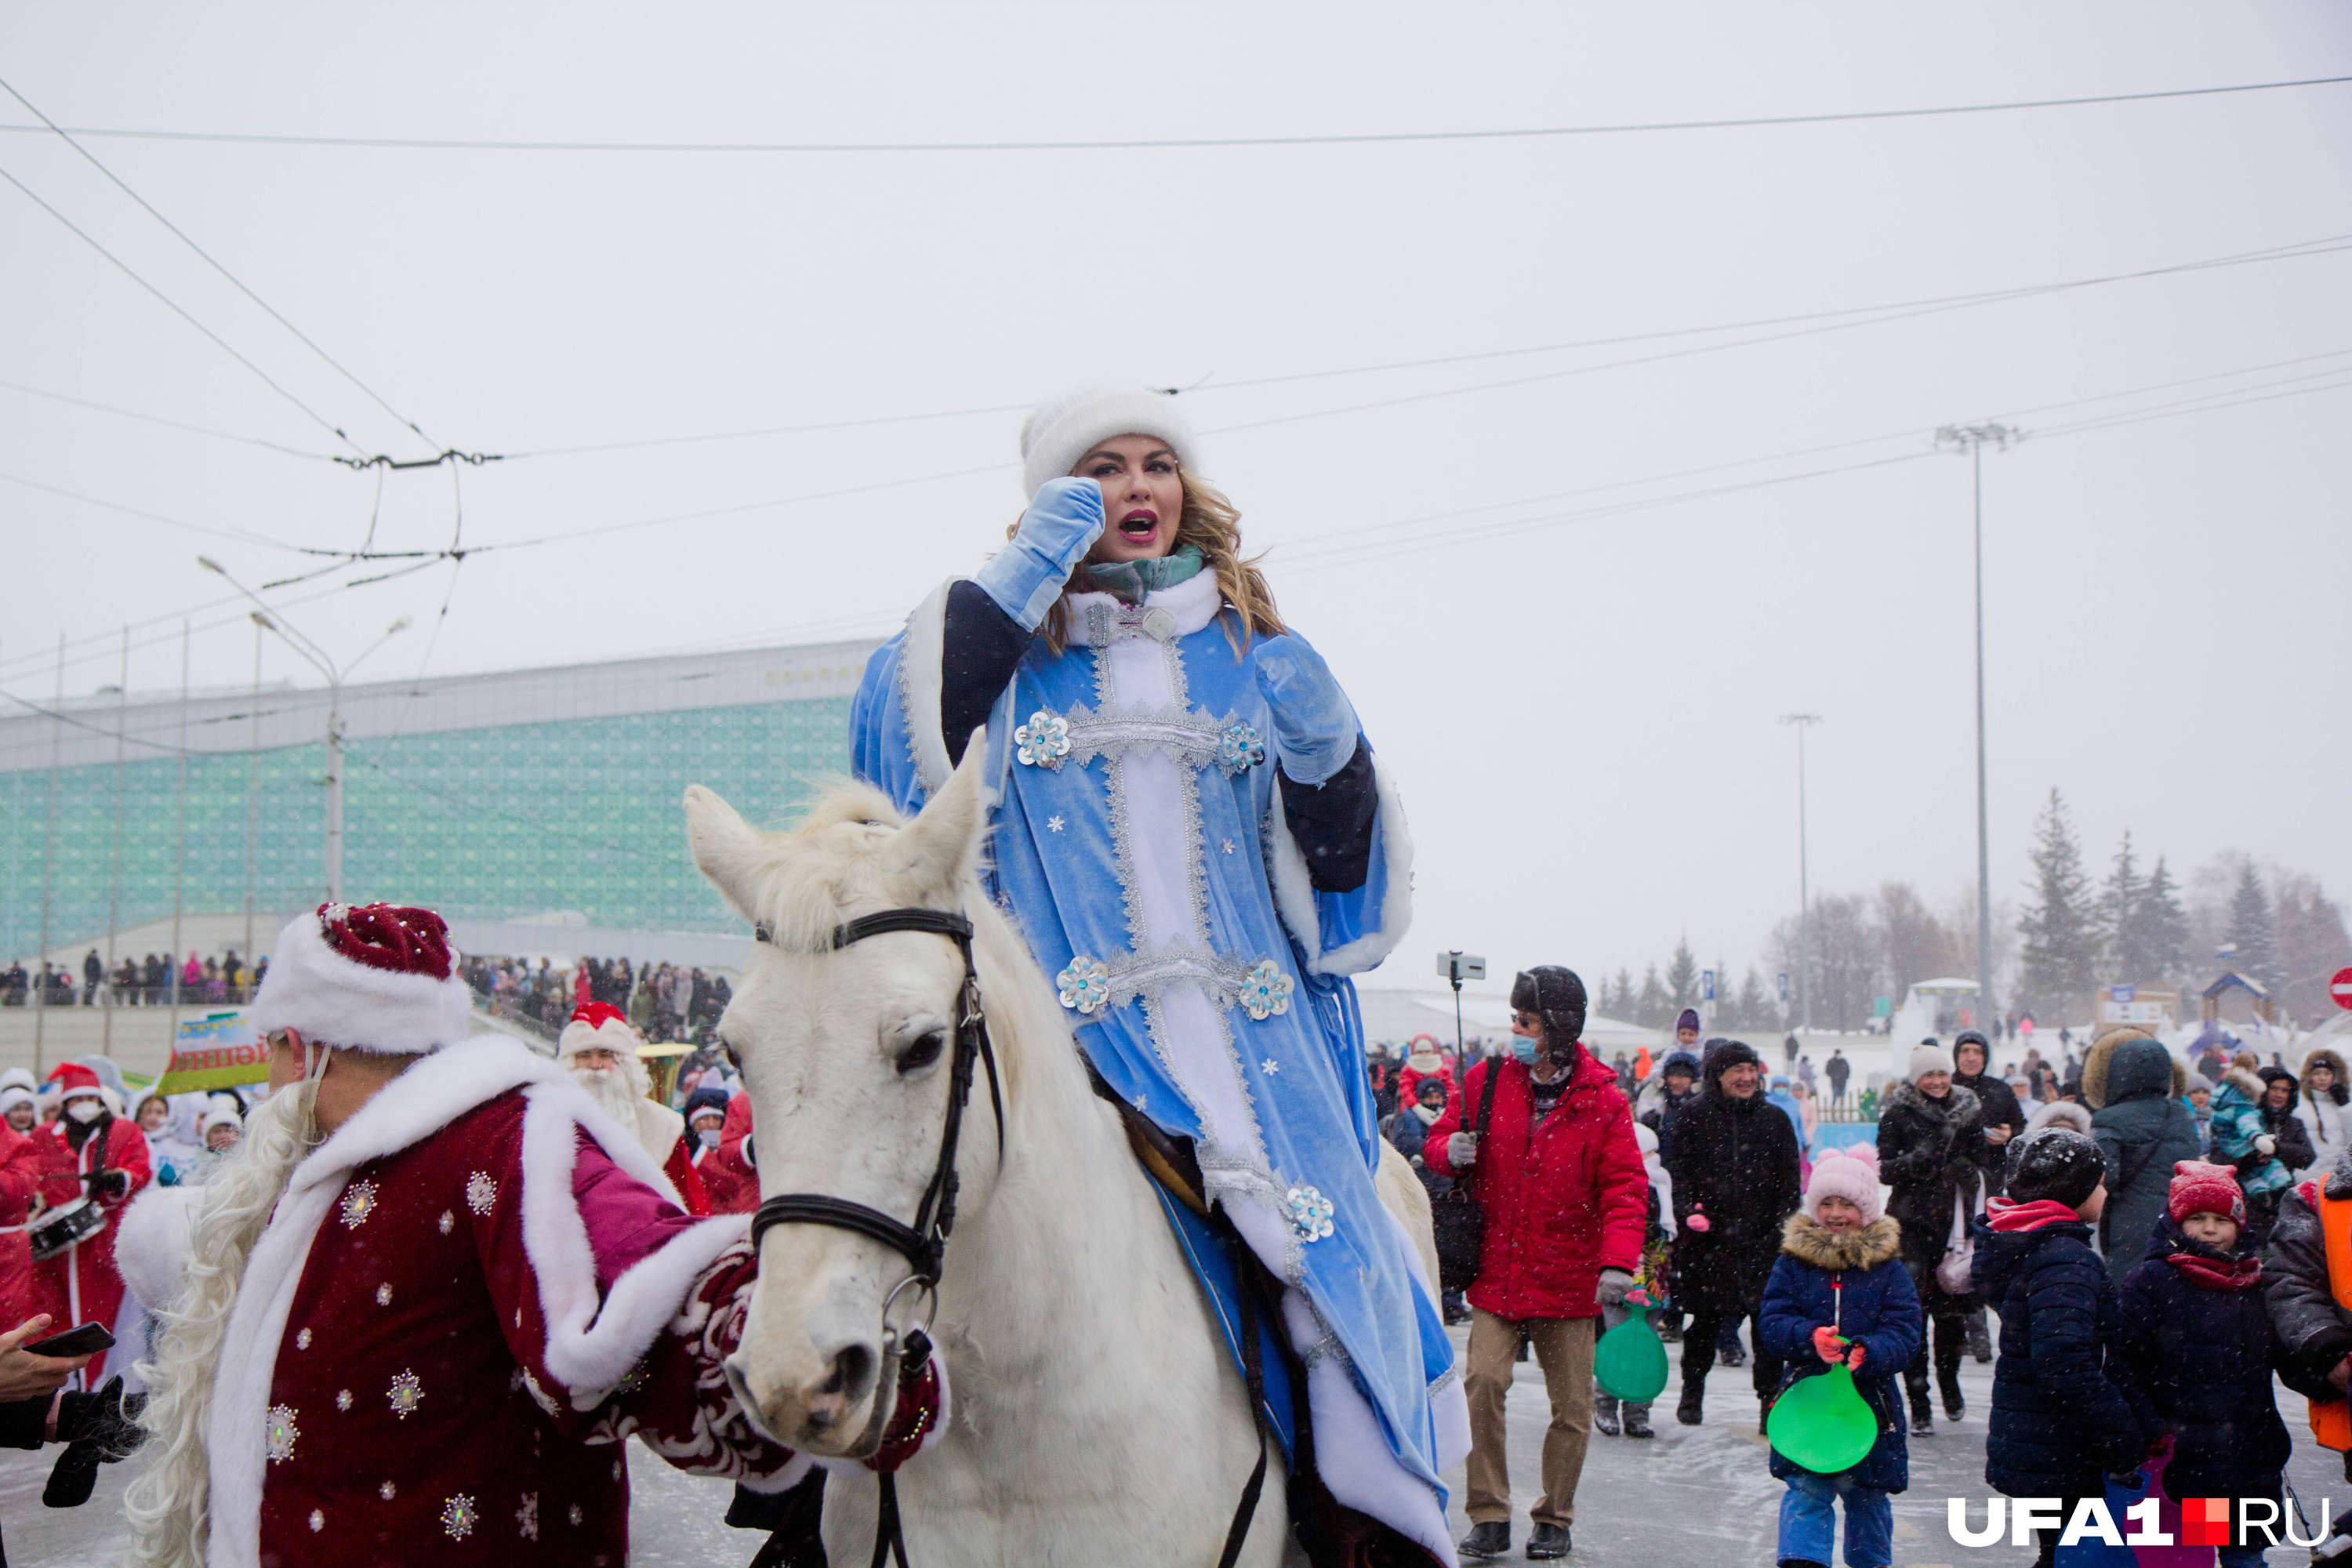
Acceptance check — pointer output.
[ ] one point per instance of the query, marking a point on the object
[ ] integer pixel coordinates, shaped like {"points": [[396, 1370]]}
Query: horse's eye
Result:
{"points": [[921, 1052], [733, 1060]]}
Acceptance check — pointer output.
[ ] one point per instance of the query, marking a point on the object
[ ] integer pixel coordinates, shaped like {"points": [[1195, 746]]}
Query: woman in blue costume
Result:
{"points": [[1200, 845]]}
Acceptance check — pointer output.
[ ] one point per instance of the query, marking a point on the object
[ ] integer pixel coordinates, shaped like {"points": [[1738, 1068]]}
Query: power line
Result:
{"points": [[241, 535], [455, 145], [238, 283], [170, 304], [159, 419]]}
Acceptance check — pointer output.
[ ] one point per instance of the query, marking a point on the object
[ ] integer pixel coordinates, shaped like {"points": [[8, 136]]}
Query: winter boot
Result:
{"points": [[1729, 1351], [1694, 1400], [1637, 1421], [1488, 1541], [1763, 1415], [1948, 1385], [1980, 1339], [1604, 1414], [1549, 1541]]}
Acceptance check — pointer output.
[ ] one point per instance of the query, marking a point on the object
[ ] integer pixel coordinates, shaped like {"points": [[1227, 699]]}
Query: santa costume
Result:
{"points": [[86, 1150], [427, 1337], [20, 1178], [625, 1093]]}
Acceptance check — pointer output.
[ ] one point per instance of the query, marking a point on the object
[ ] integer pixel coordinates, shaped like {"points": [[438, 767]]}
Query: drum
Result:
{"points": [[64, 1226]]}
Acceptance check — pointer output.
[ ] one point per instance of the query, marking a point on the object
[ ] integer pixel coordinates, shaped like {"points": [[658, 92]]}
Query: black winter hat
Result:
{"points": [[2055, 1163], [1556, 995], [1975, 1037], [1722, 1054]]}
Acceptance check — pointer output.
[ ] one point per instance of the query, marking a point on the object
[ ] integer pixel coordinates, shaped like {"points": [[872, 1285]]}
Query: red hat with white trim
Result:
{"points": [[73, 1080], [370, 977], [597, 1025]]}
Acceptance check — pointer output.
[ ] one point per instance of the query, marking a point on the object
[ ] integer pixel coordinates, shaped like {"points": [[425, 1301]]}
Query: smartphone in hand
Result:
{"points": [[87, 1340]]}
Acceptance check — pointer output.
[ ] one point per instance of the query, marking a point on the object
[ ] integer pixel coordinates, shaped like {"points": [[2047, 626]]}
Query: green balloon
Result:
{"points": [[1822, 1423], [1629, 1362]]}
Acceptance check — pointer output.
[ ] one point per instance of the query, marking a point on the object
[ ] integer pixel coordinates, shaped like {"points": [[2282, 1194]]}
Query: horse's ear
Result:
{"points": [[940, 846], [722, 842]]}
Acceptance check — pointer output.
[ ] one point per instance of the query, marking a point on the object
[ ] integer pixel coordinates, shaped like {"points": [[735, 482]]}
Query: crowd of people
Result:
{"points": [[153, 981], [665, 1002]]}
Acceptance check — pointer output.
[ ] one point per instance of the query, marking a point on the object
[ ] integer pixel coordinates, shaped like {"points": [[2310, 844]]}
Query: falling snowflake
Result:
{"points": [[458, 1517], [1054, 824], [1265, 990], [527, 1516], [1085, 985], [1310, 1213], [342, 1399], [1269, 1066], [448, 1222], [1239, 748], [359, 1201], [1045, 741], [481, 1191], [408, 1392], [281, 1432]]}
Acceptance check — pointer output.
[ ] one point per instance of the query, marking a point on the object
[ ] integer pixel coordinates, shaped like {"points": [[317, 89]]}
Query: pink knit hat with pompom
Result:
{"points": [[1850, 1173]]}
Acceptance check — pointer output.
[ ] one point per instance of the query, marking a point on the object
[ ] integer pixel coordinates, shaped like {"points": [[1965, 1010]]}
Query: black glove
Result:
{"points": [[110, 1184], [106, 1420]]}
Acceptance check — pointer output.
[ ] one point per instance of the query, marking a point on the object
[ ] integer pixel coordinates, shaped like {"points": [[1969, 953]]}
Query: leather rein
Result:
{"points": [[924, 1243]]}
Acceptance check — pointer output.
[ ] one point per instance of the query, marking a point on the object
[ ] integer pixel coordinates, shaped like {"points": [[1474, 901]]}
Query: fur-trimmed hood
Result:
{"points": [[1958, 1104], [1804, 1238], [2338, 1091], [2060, 1113], [2100, 1061], [2246, 1082]]}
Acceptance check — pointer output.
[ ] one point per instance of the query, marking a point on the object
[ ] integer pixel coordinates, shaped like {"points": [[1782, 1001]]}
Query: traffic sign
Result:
{"points": [[2340, 987], [1707, 985], [1784, 985]]}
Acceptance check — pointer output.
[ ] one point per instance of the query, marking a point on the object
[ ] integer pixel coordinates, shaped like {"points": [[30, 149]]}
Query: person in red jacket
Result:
{"points": [[1559, 1178], [20, 1178], [86, 1152], [728, 1173]]}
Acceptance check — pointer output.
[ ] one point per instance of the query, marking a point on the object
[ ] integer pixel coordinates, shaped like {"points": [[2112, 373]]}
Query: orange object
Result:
{"points": [[2331, 1419]]}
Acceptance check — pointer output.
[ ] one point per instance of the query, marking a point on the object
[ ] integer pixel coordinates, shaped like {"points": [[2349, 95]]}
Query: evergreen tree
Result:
{"points": [[1650, 1007], [2163, 926], [2253, 931], [1622, 1007], [1757, 1010], [1682, 978], [2060, 926], [2119, 917], [1725, 1004]]}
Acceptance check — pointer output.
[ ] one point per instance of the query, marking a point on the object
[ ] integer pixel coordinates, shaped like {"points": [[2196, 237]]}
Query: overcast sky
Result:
{"points": [[1582, 713]]}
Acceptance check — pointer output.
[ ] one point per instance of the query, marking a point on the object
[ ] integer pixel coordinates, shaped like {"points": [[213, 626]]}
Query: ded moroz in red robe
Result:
{"points": [[82, 1284], [468, 1299]]}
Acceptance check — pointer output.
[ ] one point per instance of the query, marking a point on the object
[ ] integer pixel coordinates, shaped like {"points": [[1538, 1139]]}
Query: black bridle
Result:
{"points": [[923, 1244]]}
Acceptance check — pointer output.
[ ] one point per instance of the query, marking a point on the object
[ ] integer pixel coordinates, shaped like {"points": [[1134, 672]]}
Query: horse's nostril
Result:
{"points": [[853, 1373]]}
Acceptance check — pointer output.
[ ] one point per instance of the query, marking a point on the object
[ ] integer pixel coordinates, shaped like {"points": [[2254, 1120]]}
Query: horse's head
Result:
{"points": [[846, 1056]]}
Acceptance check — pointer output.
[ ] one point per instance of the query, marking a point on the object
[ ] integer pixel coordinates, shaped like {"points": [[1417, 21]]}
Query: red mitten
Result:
{"points": [[1853, 1361], [1827, 1346]]}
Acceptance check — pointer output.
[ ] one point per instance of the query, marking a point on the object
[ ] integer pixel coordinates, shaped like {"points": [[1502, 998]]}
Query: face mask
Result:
{"points": [[84, 1111], [709, 1136], [1524, 1048]]}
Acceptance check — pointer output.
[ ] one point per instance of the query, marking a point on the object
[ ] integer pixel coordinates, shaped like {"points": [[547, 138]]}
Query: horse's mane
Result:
{"points": [[800, 897]]}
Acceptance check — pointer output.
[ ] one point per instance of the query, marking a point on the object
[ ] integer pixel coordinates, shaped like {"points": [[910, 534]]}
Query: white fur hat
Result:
{"points": [[219, 1115], [1850, 1173], [14, 1096], [1928, 1057], [369, 977], [18, 1077], [599, 1025], [1061, 430]]}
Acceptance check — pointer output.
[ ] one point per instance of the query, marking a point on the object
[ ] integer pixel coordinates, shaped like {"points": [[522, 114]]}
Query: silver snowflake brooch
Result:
{"points": [[359, 1201], [1310, 1213], [481, 1191], [1045, 741], [527, 1516], [458, 1517], [281, 1432], [1265, 990], [1085, 985], [1240, 747], [407, 1394]]}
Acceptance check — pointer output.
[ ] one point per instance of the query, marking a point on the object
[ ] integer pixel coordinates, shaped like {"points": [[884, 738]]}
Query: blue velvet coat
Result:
{"points": [[1880, 1312], [2059, 1422]]}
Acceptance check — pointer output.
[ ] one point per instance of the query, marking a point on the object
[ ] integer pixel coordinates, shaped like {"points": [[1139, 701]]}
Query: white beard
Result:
{"points": [[617, 1091]]}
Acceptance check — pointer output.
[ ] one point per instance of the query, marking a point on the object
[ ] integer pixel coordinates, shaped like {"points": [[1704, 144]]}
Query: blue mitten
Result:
{"points": [[1064, 520], [1314, 726]]}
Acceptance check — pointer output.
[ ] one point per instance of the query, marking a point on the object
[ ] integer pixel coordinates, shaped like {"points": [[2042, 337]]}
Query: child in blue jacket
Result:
{"points": [[1839, 1292]]}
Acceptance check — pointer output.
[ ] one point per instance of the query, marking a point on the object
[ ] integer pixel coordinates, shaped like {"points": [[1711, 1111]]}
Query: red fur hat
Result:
{"points": [[599, 1025], [74, 1079], [2199, 1187], [371, 977]]}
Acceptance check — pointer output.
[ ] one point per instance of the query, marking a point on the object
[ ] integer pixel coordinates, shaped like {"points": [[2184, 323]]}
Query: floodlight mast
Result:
{"points": [[1803, 721]]}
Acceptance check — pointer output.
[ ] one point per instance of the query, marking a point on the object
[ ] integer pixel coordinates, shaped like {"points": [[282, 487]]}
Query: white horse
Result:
{"points": [[1095, 1415]]}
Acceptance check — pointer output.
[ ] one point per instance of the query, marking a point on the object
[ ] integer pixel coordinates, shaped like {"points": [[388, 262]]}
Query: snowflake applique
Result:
{"points": [[1045, 741], [1269, 1066], [1310, 1213], [1227, 846], [280, 1432], [574, 1514], [1085, 985], [481, 1193], [342, 1399], [448, 1222], [458, 1517], [1054, 824], [318, 1520], [1140, 1100], [387, 1491], [359, 1201], [303, 1341], [408, 1392], [527, 1516], [1240, 748], [384, 1294], [1265, 990]]}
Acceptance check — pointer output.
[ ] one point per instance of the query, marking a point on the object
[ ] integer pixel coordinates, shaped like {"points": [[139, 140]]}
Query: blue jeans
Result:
{"points": [[1809, 1521]]}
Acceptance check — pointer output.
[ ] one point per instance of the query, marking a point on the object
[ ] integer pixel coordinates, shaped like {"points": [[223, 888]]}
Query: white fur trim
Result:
{"points": [[152, 1245], [658, 1128], [312, 988], [920, 656], [1064, 429], [1195, 603], [2073, 1116], [1293, 893]]}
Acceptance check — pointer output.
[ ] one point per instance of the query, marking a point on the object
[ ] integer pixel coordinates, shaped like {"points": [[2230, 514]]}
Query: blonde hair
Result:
{"points": [[1213, 525]]}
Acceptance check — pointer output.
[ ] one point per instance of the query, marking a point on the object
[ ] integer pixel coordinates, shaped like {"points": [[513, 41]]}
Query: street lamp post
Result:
{"points": [[1972, 439], [269, 621], [1803, 721]]}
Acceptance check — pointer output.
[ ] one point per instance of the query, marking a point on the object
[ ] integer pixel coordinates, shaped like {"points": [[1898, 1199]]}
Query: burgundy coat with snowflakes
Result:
{"points": [[466, 1300]]}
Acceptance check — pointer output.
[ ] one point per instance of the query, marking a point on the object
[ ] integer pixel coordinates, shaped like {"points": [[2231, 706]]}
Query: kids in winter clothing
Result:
{"points": [[2198, 1351], [1839, 1292], [2241, 1139], [1657, 1243], [2059, 1424]]}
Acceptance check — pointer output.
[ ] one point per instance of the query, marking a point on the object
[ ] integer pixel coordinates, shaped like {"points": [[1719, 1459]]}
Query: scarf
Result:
{"points": [[1428, 1114], [2006, 1214], [2217, 1273], [1129, 581]]}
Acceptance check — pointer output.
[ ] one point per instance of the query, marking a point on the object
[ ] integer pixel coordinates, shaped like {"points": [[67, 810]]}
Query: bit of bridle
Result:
{"points": [[924, 1243]]}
